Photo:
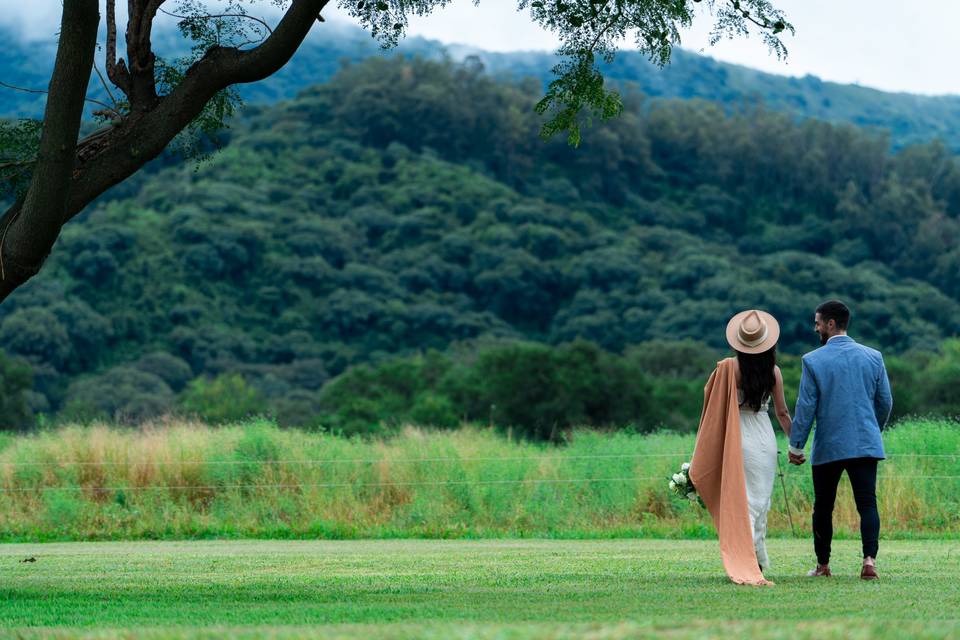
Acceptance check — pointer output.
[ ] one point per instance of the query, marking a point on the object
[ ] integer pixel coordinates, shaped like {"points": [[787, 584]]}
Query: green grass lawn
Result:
{"points": [[468, 589]]}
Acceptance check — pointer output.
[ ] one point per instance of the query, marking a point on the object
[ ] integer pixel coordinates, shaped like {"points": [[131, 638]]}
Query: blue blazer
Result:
{"points": [[845, 388]]}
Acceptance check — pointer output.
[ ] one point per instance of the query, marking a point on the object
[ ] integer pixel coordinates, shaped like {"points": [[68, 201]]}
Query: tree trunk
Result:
{"points": [[30, 227]]}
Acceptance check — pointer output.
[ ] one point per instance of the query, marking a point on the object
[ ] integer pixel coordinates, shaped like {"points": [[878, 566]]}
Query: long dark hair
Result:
{"points": [[756, 376]]}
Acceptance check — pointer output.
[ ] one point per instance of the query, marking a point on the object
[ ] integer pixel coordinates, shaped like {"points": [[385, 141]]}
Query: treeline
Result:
{"points": [[530, 390], [543, 392], [408, 206]]}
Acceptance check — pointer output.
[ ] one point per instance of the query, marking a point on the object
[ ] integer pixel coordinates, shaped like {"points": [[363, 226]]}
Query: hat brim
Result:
{"points": [[773, 332]]}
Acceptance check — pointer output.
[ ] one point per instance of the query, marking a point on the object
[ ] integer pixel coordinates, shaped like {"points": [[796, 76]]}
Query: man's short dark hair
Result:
{"points": [[836, 311]]}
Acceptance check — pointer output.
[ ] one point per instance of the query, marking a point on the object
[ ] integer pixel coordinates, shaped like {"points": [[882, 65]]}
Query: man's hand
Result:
{"points": [[797, 459]]}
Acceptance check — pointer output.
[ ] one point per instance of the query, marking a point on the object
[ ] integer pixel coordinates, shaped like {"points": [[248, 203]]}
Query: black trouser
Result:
{"points": [[863, 478]]}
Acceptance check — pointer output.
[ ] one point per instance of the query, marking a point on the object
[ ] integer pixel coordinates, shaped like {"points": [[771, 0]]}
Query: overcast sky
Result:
{"points": [[895, 45]]}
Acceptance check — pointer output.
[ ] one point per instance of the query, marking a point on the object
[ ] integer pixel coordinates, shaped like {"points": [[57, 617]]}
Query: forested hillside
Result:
{"points": [[408, 205], [907, 118]]}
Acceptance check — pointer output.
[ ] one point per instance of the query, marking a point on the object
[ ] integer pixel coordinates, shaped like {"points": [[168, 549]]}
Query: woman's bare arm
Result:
{"points": [[780, 402]]}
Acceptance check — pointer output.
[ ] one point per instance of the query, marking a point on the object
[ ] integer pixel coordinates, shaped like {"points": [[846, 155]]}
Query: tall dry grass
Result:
{"points": [[183, 480]]}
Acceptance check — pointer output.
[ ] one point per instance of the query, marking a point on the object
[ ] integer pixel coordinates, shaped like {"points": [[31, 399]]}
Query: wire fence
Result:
{"points": [[412, 461], [322, 461], [107, 463], [368, 485]]}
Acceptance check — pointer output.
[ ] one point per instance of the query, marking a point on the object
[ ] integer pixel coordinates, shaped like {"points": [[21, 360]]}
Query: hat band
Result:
{"points": [[753, 343]]}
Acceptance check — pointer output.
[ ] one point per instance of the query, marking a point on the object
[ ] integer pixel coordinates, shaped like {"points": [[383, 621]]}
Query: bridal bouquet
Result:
{"points": [[680, 484]]}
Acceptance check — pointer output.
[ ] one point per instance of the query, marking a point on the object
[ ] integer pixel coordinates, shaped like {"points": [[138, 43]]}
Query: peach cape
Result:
{"points": [[716, 471]]}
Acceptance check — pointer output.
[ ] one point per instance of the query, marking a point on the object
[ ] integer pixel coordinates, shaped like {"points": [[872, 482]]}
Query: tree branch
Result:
{"points": [[17, 163], [112, 154], [233, 66], [115, 109], [116, 154], [143, 86], [766, 24], [25, 89], [32, 224], [612, 21], [16, 88], [116, 71], [152, 7], [213, 16]]}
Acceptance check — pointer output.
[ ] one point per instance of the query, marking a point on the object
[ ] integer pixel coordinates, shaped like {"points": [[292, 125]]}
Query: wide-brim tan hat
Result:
{"points": [[753, 331]]}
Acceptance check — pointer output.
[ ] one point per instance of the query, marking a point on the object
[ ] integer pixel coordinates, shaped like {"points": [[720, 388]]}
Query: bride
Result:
{"points": [[735, 458]]}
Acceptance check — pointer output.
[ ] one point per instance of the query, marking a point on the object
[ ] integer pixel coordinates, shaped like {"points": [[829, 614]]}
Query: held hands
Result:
{"points": [[797, 459]]}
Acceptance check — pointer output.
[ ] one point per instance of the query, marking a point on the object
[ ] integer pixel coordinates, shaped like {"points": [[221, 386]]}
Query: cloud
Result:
{"points": [[33, 20]]}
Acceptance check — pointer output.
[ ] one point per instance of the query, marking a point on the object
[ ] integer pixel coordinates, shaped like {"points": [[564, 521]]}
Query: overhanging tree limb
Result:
{"points": [[141, 138], [66, 182]]}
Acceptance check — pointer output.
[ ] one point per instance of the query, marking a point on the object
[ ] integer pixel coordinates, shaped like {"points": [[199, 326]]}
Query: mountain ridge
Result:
{"points": [[909, 118]]}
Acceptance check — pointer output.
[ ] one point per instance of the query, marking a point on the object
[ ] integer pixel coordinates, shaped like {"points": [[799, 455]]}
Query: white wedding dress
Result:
{"points": [[759, 469]]}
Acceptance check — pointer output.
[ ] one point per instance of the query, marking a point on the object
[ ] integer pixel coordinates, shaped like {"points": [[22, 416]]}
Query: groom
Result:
{"points": [[844, 386]]}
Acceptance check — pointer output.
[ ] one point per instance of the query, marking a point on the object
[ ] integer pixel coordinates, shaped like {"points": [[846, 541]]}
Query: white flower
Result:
{"points": [[678, 478], [673, 485], [692, 495], [685, 466], [683, 478]]}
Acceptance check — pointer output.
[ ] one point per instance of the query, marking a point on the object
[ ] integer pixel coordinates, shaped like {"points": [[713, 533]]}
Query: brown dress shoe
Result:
{"points": [[868, 572], [820, 572]]}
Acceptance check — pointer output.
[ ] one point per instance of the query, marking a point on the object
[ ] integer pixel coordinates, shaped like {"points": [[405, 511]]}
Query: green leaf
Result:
{"points": [[578, 87]]}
